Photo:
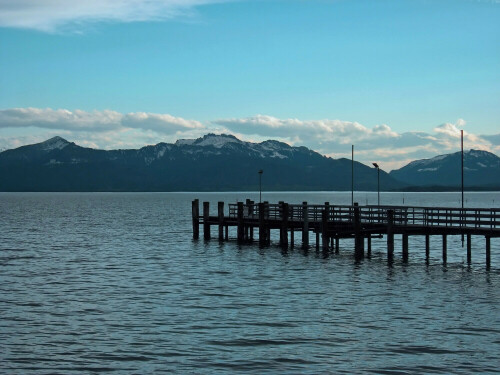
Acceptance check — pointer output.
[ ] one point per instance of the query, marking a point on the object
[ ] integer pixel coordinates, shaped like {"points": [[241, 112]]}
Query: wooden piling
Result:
{"points": [[317, 240], [324, 229], [358, 238], [445, 248], [369, 245], [262, 226], [252, 213], [206, 224], [280, 208], [390, 234], [196, 218], [469, 249], [268, 228], [284, 226], [305, 225], [240, 223], [292, 237], [247, 213], [220, 211], [337, 244]]}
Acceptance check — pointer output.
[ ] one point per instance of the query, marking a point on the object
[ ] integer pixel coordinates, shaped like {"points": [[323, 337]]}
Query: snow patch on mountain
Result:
{"points": [[427, 161], [427, 169], [53, 144], [216, 141]]}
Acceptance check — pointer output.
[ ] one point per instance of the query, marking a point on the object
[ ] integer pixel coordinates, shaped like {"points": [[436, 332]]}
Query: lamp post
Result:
{"points": [[378, 183], [462, 147], [352, 175], [260, 185]]}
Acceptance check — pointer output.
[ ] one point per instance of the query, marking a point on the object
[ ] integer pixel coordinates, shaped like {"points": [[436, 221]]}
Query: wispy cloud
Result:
{"points": [[53, 15]]}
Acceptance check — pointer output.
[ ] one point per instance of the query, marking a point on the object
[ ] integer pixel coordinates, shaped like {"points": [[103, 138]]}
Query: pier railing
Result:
{"points": [[487, 218]]}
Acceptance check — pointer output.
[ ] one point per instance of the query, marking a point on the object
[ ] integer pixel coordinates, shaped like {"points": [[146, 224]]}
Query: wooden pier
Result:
{"points": [[331, 223]]}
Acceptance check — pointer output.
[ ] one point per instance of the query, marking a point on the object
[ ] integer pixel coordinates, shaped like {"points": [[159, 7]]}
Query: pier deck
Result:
{"points": [[330, 223]]}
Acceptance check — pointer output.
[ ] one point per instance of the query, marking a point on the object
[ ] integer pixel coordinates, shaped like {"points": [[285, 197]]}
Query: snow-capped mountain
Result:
{"points": [[481, 169], [211, 163]]}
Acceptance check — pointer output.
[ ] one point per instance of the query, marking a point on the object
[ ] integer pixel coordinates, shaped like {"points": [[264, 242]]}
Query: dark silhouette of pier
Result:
{"points": [[331, 223]]}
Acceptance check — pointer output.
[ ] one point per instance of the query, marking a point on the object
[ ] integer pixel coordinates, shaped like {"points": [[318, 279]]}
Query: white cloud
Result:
{"points": [[98, 121], [102, 129], [52, 15], [380, 143], [112, 130], [451, 130], [317, 131]]}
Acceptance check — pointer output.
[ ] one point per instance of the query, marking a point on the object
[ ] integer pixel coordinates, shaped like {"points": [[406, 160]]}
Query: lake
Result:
{"points": [[113, 282]]}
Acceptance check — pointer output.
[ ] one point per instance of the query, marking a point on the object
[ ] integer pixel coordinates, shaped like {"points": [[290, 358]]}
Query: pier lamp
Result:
{"points": [[260, 185], [378, 183]]}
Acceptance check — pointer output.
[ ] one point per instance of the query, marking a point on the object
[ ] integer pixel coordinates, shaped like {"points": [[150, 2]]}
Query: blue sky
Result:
{"points": [[396, 78]]}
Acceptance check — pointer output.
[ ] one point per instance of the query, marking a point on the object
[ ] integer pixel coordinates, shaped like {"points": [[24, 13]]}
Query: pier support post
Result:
{"points": [[268, 228], [369, 246], [227, 233], [196, 219], [252, 214], [262, 226], [324, 229], [305, 225], [206, 224], [469, 249], [445, 248], [317, 239], [247, 213], [220, 212], [358, 238], [405, 247], [241, 228], [337, 245], [427, 248], [292, 237], [390, 234], [488, 252], [284, 225]]}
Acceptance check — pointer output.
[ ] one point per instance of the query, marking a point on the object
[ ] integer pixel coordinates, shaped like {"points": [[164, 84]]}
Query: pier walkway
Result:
{"points": [[330, 223]]}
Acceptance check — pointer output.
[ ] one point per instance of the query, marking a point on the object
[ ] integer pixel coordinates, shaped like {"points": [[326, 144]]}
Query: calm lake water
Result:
{"points": [[113, 282]]}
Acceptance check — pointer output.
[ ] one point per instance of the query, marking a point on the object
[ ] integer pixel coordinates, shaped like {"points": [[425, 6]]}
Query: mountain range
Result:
{"points": [[481, 170], [220, 163]]}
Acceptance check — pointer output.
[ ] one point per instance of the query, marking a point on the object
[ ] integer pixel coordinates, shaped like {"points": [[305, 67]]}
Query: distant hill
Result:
{"points": [[481, 170], [210, 163]]}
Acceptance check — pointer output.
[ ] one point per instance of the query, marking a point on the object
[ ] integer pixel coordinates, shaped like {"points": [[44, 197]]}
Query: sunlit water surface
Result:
{"points": [[113, 282]]}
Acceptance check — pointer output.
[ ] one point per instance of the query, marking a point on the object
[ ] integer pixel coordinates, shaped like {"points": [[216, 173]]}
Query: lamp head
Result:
{"points": [[375, 165], [261, 171]]}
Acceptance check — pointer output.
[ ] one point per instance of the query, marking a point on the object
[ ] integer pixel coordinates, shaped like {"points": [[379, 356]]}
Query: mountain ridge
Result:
{"points": [[222, 162], [212, 162], [481, 169]]}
